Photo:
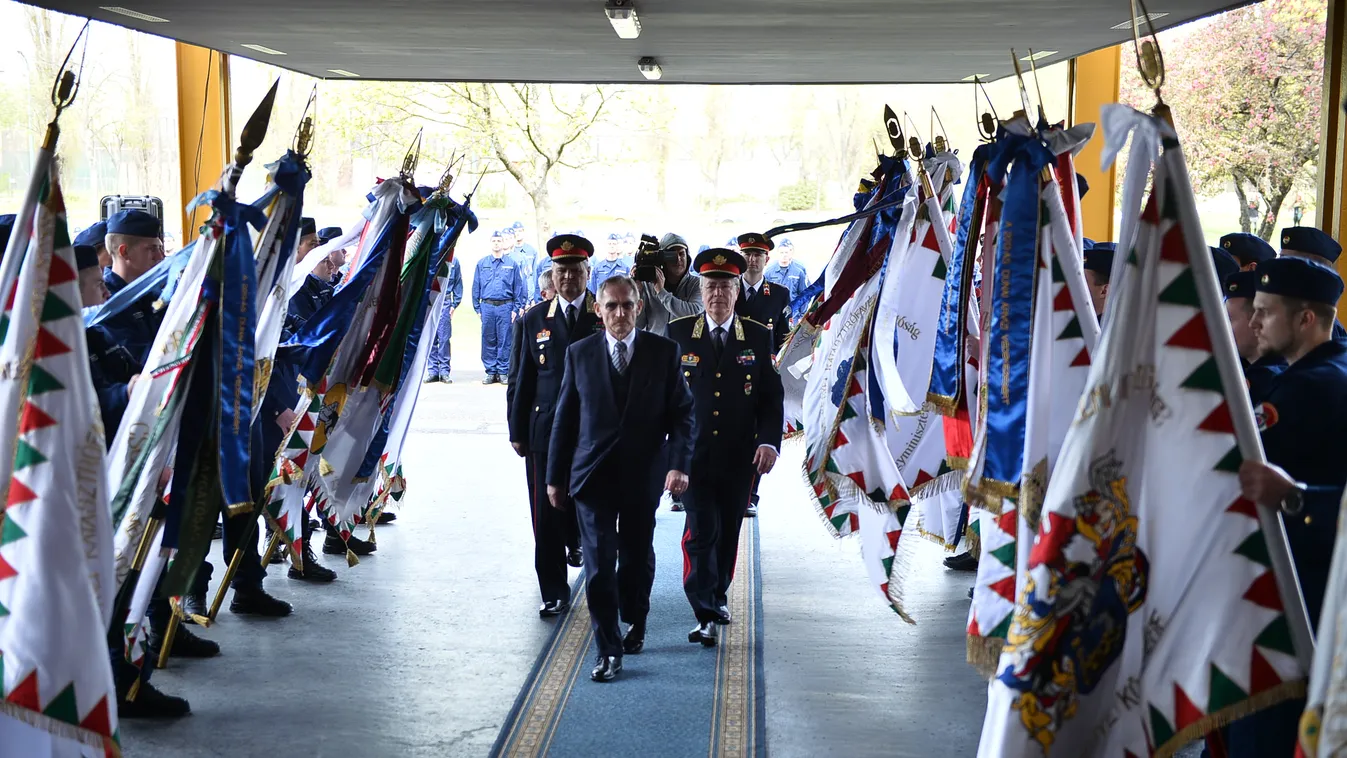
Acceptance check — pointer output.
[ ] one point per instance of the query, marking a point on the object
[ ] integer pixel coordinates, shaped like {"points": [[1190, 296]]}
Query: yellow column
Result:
{"points": [[203, 125], [1094, 82], [1332, 196]]}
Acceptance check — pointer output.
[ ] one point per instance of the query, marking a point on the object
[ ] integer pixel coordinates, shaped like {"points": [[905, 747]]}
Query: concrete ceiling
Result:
{"points": [[695, 41]]}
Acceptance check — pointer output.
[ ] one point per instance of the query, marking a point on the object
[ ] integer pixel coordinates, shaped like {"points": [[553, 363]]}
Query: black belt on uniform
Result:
{"points": [[495, 302]]}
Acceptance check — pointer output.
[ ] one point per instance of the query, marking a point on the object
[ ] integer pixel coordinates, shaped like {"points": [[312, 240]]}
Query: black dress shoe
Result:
{"points": [[256, 602], [278, 555], [575, 557], [194, 605], [334, 546], [606, 668], [724, 617], [387, 517], [962, 562], [185, 645], [634, 640], [150, 703], [553, 608], [313, 570], [704, 633]]}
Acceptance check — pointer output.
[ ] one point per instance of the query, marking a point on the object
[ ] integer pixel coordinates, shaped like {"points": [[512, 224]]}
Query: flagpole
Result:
{"points": [[1150, 64]]}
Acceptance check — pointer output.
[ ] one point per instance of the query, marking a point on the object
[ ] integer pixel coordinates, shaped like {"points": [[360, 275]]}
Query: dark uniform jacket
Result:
{"points": [[283, 388], [111, 367], [135, 327], [1259, 375], [590, 428], [540, 341], [770, 307], [737, 396], [1301, 419]]}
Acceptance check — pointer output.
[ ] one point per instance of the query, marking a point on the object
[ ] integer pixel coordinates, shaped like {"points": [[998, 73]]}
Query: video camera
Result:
{"points": [[649, 258]]}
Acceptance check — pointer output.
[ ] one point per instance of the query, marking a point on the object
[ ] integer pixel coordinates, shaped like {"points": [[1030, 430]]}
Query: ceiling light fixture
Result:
{"points": [[341, 72], [1138, 21], [264, 49], [1039, 55], [133, 14], [974, 77], [649, 68], [622, 15]]}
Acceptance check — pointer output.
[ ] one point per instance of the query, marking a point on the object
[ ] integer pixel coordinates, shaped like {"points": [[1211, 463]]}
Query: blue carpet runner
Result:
{"points": [[674, 699]]}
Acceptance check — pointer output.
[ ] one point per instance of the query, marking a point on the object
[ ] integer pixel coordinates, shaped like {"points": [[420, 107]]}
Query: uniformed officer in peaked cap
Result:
{"points": [[540, 342], [1249, 249], [1300, 420], [737, 401], [763, 302]]}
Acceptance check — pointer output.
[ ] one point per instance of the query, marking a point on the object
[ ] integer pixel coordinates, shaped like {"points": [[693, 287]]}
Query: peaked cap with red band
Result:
{"points": [[569, 247], [755, 241], [719, 262]]}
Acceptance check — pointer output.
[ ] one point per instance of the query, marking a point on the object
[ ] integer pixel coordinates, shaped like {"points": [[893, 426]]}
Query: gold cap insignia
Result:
{"points": [[1264, 279], [568, 246], [1226, 245], [1286, 239], [719, 260]]}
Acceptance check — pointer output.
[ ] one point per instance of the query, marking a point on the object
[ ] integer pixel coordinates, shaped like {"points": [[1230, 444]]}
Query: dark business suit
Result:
{"points": [[606, 452], [737, 396], [540, 341]]}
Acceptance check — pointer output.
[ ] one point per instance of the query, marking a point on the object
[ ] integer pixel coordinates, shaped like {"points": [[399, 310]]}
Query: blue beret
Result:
{"points": [[307, 226], [1247, 248], [1307, 239], [1225, 263], [134, 223], [93, 236], [1082, 186], [1112, 247], [6, 229], [1099, 259], [614, 237], [329, 233], [86, 256], [1241, 284], [1299, 278]]}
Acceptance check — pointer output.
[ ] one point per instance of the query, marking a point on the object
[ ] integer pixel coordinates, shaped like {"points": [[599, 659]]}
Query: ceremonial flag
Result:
{"points": [[283, 202], [1149, 613], [1323, 728], [56, 576]]}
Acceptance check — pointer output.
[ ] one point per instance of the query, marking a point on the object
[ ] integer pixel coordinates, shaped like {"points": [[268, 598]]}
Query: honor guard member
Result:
{"points": [[1259, 368], [622, 396], [1314, 245], [1098, 269], [308, 237], [1249, 250], [135, 240], [440, 351], [542, 337], [498, 293], [1300, 420], [763, 302], [613, 264], [94, 237], [788, 272], [737, 398]]}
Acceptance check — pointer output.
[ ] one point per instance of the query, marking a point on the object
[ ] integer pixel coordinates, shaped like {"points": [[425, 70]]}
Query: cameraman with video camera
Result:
{"points": [[668, 288]]}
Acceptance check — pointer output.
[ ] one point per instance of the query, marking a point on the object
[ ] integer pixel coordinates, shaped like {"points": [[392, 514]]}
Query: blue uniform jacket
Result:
{"points": [[111, 367], [601, 270], [1301, 419], [523, 259], [589, 428], [136, 326], [793, 277], [498, 279], [454, 295], [1259, 375], [283, 388]]}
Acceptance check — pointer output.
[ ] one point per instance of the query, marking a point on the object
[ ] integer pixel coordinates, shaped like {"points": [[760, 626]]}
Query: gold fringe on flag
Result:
{"points": [[351, 560], [983, 653]]}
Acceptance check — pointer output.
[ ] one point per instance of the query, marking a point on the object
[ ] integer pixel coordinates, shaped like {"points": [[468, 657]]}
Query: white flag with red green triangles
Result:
{"points": [[1323, 726], [56, 575], [1149, 614]]}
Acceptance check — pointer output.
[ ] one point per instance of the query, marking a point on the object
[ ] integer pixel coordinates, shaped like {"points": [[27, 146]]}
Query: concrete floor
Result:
{"points": [[421, 649]]}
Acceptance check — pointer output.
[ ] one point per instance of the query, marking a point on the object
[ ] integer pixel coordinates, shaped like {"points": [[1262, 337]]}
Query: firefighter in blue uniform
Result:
{"points": [[1314, 245], [1259, 369], [441, 353], [788, 272], [135, 241], [737, 403], [523, 256], [763, 302], [1249, 249], [1300, 420], [613, 264], [541, 339], [498, 293]]}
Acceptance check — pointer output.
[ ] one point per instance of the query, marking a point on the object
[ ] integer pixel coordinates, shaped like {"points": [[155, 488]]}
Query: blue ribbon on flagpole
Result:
{"points": [[1012, 299], [162, 278], [288, 175], [947, 368]]}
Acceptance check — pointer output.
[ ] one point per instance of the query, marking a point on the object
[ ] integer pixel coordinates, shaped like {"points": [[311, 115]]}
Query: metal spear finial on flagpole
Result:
{"points": [[1150, 61], [65, 88], [894, 128], [987, 121], [304, 132], [413, 157], [254, 131]]}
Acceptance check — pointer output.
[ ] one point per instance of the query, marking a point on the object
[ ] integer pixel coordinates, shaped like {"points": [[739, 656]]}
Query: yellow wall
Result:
{"points": [[1094, 82], [203, 120]]}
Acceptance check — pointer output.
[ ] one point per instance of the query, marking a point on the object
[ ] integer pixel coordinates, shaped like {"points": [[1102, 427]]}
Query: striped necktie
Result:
{"points": [[620, 357]]}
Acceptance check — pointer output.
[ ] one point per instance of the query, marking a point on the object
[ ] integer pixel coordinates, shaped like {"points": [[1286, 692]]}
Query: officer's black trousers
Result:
{"points": [[617, 529], [715, 503], [553, 532]]}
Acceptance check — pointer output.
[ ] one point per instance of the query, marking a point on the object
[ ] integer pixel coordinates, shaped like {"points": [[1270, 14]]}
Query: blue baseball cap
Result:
{"points": [[135, 223], [517, 225], [614, 237], [498, 234]]}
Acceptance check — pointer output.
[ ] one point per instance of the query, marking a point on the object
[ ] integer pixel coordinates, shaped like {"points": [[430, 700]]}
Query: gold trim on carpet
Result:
{"points": [[734, 711], [533, 731]]}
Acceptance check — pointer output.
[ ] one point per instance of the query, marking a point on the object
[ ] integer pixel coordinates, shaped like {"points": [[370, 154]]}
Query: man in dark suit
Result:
{"points": [[736, 393], [621, 396], [541, 339], [764, 302]]}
